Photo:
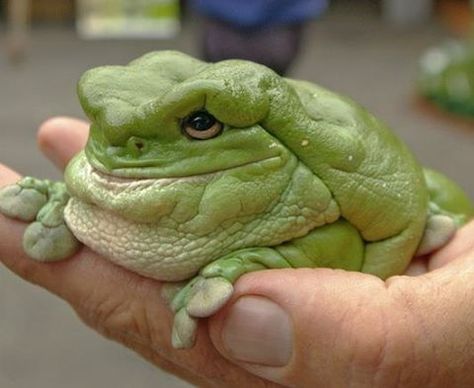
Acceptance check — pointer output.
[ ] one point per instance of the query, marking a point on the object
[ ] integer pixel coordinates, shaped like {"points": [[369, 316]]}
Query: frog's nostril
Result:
{"points": [[136, 145], [139, 144]]}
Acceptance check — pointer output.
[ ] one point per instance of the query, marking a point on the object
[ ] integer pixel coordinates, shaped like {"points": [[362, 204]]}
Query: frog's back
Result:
{"points": [[374, 178], [399, 208]]}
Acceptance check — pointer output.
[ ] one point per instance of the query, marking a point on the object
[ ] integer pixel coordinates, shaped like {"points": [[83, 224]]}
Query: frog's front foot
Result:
{"points": [[208, 292], [41, 203], [200, 298]]}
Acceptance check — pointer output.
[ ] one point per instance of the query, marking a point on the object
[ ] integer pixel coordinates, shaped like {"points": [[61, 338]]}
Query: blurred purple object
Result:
{"points": [[261, 13], [272, 46], [264, 31]]}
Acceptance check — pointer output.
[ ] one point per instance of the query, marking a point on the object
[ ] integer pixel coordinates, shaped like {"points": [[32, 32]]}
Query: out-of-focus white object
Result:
{"points": [[148, 19], [406, 13]]}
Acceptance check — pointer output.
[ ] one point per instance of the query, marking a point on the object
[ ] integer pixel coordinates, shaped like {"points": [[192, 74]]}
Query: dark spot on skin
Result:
{"points": [[139, 144]]}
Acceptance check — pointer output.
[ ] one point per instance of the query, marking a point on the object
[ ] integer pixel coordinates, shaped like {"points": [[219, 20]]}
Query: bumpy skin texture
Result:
{"points": [[296, 176]]}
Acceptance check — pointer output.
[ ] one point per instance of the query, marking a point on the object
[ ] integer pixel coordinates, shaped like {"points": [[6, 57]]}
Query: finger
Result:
{"points": [[7, 176], [122, 306], [60, 138], [84, 280], [91, 287], [462, 242], [324, 328], [119, 304], [302, 327]]}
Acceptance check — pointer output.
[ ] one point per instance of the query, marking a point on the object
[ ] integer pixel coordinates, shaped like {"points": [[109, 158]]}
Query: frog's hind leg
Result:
{"points": [[449, 208], [41, 203]]}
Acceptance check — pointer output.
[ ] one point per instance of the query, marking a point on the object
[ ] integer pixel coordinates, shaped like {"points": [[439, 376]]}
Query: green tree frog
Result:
{"points": [[195, 174]]}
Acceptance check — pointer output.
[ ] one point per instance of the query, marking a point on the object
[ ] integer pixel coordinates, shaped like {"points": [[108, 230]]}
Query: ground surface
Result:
{"points": [[42, 344]]}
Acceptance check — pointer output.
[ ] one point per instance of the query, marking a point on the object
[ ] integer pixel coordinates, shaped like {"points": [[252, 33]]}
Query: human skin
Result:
{"points": [[353, 329]]}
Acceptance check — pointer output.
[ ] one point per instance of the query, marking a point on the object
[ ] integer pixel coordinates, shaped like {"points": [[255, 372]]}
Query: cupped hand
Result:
{"points": [[302, 327]]}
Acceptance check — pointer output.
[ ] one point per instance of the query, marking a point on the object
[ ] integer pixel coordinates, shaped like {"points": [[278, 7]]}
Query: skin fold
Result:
{"points": [[201, 173]]}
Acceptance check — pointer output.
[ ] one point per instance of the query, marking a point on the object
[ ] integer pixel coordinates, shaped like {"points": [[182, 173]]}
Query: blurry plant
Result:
{"points": [[446, 75]]}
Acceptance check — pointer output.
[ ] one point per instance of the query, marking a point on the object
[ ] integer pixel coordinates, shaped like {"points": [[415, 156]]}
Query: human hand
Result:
{"points": [[301, 327]]}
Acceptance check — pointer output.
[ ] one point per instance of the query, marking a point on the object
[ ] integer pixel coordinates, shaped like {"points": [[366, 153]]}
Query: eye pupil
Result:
{"points": [[201, 121], [201, 125]]}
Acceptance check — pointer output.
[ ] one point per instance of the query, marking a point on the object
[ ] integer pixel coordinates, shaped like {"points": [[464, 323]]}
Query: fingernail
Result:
{"points": [[258, 331]]}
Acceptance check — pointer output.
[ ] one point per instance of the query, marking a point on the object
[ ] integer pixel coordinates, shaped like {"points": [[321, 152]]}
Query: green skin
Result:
{"points": [[298, 177]]}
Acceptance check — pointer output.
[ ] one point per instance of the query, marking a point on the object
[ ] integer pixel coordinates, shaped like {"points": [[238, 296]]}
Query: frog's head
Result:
{"points": [[173, 136], [168, 115], [181, 154]]}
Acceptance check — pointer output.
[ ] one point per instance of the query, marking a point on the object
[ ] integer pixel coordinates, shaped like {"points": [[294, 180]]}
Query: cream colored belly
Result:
{"points": [[148, 249], [170, 251]]}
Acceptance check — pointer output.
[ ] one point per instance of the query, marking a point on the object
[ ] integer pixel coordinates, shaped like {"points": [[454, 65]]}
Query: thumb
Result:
{"points": [[317, 327]]}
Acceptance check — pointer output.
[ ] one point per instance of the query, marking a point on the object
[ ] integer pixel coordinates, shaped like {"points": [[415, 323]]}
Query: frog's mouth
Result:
{"points": [[185, 168], [116, 182], [139, 199], [121, 179], [149, 199]]}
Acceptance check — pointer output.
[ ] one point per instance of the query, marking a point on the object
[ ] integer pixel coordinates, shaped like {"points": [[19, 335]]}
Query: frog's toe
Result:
{"points": [[44, 243], [439, 230], [200, 298], [21, 203], [184, 330], [208, 296]]}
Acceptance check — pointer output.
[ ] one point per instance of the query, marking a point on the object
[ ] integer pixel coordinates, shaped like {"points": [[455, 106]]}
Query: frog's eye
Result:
{"points": [[201, 125]]}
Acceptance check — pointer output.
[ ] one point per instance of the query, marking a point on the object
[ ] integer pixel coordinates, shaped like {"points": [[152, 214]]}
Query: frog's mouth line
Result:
{"points": [[110, 180]]}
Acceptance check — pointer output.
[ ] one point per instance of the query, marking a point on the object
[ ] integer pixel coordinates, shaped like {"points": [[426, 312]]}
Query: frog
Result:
{"points": [[195, 174]]}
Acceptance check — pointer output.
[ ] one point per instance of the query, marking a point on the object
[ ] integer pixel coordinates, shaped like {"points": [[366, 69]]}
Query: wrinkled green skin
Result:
{"points": [[299, 177]]}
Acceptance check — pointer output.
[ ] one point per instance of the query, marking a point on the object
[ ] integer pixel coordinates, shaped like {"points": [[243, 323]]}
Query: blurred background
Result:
{"points": [[368, 50]]}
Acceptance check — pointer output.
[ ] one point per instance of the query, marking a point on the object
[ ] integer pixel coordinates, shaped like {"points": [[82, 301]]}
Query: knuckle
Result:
{"points": [[106, 314], [125, 320]]}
